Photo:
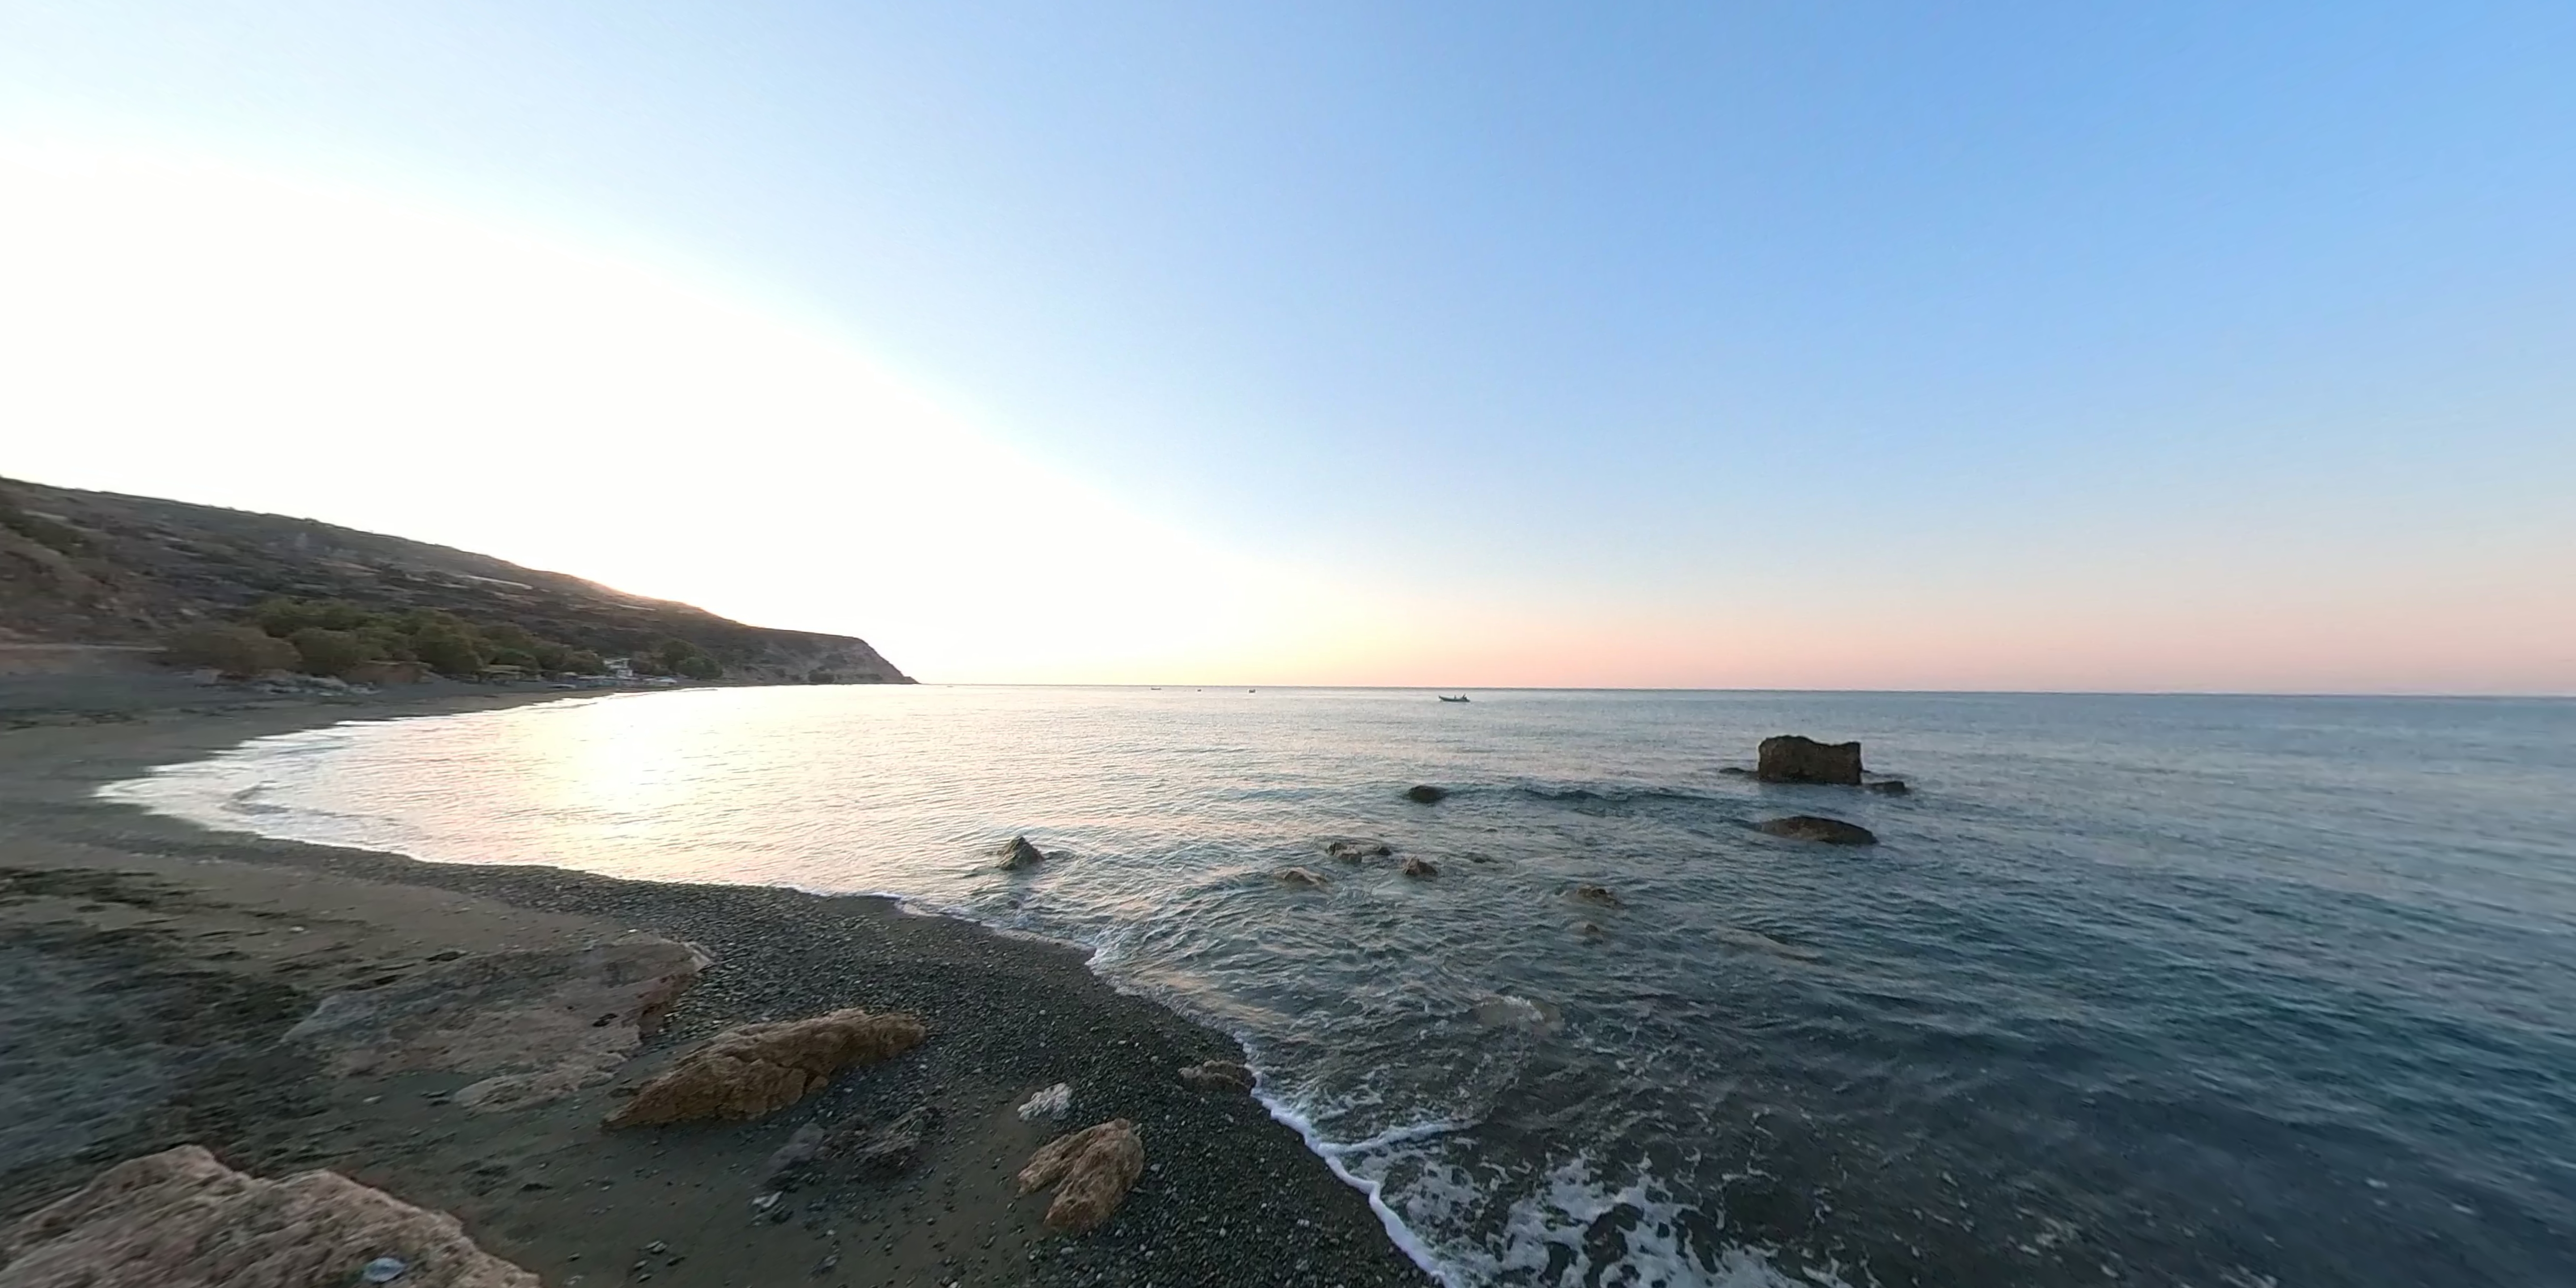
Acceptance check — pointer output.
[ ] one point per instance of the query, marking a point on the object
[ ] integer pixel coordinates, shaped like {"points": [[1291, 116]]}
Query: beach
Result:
{"points": [[149, 970]]}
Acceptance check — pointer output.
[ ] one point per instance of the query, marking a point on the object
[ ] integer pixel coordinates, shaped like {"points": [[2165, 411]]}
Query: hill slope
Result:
{"points": [[98, 567]]}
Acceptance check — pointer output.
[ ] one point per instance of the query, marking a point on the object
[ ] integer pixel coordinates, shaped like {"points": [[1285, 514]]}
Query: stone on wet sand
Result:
{"points": [[1020, 854], [1416, 867], [1426, 794], [543, 1023], [1091, 1170], [1217, 1075], [1790, 758], [1304, 878], [1809, 827], [1351, 851], [746, 1072], [180, 1219]]}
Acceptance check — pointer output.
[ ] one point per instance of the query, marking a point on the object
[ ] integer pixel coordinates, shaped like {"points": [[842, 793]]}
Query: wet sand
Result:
{"points": [[149, 969]]}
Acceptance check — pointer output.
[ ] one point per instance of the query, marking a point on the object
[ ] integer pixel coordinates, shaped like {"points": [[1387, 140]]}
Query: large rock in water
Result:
{"points": [[1091, 1169], [1020, 854], [1809, 827], [180, 1219], [541, 1022], [1790, 758], [744, 1073]]}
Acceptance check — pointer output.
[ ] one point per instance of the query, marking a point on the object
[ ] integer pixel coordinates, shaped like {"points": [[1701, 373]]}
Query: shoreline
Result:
{"points": [[173, 957]]}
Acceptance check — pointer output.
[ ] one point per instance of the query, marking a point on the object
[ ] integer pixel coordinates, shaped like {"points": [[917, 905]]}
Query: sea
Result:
{"points": [[2224, 991]]}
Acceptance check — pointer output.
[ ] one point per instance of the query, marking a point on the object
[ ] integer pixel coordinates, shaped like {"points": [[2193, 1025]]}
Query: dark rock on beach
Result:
{"points": [[1217, 1075], [1809, 827], [1790, 758], [1426, 794]]}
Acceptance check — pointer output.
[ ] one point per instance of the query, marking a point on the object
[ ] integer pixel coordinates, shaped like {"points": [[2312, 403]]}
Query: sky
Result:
{"points": [[1986, 346]]}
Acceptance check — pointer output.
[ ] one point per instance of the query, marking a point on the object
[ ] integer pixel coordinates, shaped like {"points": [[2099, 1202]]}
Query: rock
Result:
{"points": [[1354, 851], [1050, 1103], [1590, 930], [542, 1022], [1426, 794], [1891, 787], [1793, 759], [1808, 827], [888, 1149], [1217, 1075], [1306, 878], [1420, 868], [1736, 771], [745, 1072], [1594, 894], [1020, 854], [180, 1219], [799, 1150], [1091, 1170]]}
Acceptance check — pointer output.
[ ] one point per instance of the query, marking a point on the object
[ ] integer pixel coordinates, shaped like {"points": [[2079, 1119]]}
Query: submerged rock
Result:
{"points": [[180, 1219], [1350, 851], [746, 1072], [1599, 896], [1304, 878], [1809, 827], [1217, 1075], [1790, 758], [542, 1022], [1426, 794], [1414, 867], [1091, 1171], [1890, 787], [1020, 854]]}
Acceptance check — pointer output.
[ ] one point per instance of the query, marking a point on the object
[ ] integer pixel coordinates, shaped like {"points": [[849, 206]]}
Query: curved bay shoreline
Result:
{"points": [[148, 968]]}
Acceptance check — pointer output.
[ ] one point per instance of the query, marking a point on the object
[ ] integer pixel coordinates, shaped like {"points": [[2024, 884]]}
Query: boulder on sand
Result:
{"points": [[1091, 1170], [1420, 868], [1217, 1075], [1426, 794], [1808, 827], [1020, 854], [1790, 758], [745, 1072], [541, 1022], [180, 1219]]}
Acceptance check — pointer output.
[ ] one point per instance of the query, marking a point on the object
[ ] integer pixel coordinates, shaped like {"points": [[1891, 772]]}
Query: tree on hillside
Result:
{"points": [[329, 652]]}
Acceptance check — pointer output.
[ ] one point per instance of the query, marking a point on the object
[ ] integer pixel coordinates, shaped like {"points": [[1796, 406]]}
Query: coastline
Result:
{"points": [[156, 964]]}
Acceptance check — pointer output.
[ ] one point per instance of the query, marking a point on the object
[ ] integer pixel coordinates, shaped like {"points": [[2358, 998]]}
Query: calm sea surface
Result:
{"points": [[2171, 990]]}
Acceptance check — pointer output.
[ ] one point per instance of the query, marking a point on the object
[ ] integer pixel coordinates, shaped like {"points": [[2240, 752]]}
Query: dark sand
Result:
{"points": [[148, 969]]}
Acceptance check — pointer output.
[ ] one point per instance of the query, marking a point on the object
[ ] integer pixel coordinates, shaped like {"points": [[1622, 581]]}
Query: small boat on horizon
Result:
{"points": [[1446, 698]]}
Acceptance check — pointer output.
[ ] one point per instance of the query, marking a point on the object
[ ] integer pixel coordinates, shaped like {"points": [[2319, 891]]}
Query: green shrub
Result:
{"points": [[518, 657], [449, 650], [698, 666], [329, 652], [582, 661], [235, 651]]}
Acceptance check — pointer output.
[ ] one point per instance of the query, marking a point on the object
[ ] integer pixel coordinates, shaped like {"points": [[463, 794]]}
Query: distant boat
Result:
{"points": [[1446, 698]]}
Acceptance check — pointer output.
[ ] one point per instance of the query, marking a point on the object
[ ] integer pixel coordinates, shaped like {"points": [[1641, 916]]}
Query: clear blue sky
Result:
{"points": [[1865, 318]]}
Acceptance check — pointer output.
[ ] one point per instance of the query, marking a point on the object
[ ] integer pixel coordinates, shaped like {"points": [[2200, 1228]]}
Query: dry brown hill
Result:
{"points": [[98, 567]]}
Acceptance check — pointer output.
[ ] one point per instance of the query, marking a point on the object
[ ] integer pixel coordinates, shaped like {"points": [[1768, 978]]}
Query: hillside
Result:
{"points": [[98, 567]]}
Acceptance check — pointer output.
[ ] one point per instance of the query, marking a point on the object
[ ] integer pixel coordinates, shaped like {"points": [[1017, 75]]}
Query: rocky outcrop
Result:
{"points": [[746, 1072], [1790, 758], [1809, 827], [180, 1219], [1217, 1075], [1091, 1171], [1020, 854], [541, 1022], [1354, 851], [1426, 794], [1598, 896], [1419, 868], [1302, 878]]}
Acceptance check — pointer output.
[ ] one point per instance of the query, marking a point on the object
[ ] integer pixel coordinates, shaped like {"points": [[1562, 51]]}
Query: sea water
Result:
{"points": [[2147, 990]]}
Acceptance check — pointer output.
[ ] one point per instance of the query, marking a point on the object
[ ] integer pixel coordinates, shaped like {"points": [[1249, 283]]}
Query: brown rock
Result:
{"points": [[180, 1219], [1808, 827], [1594, 894], [745, 1072], [1421, 868], [541, 1022], [1092, 1170], [1793, 759], [1020, 854], [1218, 1075], [1305, 877], [1353, 851]]}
